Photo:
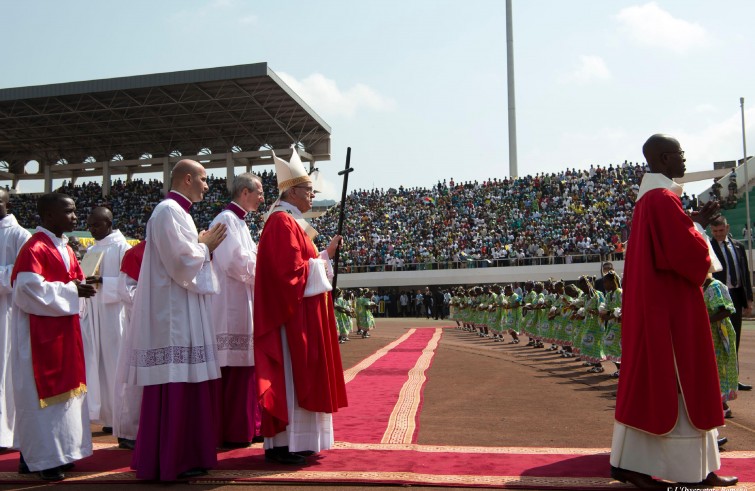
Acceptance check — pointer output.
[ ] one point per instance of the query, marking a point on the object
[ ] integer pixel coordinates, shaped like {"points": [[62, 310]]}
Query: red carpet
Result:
{"points": [[376, 390], [376, 444], [513, 468]]}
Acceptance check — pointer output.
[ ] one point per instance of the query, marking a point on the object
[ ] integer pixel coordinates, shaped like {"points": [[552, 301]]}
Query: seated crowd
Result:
{"points": [[570, 216]]}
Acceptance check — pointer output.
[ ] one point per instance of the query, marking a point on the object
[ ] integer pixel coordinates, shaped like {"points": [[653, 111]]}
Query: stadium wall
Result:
{"points": [[472, 276]]}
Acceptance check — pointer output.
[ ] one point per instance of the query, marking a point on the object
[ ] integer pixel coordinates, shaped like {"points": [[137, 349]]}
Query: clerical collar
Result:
{"points": [[656, 180], [236, 209], [179, 198], [58, 241]]}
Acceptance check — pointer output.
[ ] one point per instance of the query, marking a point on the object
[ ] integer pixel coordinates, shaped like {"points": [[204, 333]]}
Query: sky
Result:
{"points": [[417, 88]]}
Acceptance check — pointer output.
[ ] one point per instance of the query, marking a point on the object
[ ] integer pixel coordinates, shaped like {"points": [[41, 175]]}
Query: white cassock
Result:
{"points": [[102, 322], [170, 337], [127, 399], [235, 259], [12, 237], [59, 433]]}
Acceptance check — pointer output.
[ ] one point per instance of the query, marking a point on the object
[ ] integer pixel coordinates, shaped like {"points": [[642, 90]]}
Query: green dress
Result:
{"points": [[591, 344], [528, 317], [545, 328], [365, 320], [343, 321], [724, 339], [573, 325], [563, 313], [513, 318], [612, 338]]}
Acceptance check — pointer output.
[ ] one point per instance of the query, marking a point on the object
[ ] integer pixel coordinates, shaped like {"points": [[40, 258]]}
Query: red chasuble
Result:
{"points": [[665, 322], [56, 348], [131, 263], [282, 268]]}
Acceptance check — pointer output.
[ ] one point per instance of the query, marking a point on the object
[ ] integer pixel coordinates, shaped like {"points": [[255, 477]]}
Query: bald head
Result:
{"points": [[182, 169], [100, 222], [664, 155], [189, 178]]}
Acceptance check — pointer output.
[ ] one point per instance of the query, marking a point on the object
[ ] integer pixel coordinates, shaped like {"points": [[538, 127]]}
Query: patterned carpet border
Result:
{"points": [[402, 423]]}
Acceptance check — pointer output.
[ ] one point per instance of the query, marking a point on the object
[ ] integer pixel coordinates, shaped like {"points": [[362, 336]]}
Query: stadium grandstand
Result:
{"points": [[496, 230]]}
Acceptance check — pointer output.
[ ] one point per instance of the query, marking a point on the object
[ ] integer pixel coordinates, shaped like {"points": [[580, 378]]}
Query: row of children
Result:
{"points": [[575, 319], [580, 320]]}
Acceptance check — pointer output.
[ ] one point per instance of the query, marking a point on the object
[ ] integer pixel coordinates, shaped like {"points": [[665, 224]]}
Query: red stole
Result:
{"points": [[282, 269], [665, 329], [57, 351], [131, 263]]}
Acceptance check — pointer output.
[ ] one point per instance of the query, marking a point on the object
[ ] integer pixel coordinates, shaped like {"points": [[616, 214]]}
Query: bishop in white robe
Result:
{"points": [[171, 340], [235, 260]]}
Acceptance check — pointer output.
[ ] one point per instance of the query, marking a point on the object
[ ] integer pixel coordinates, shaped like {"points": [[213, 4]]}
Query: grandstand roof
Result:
{"points": [[235, 108]]}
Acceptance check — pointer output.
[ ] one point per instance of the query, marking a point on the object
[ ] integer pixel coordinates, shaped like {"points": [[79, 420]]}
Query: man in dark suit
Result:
{"points": [[735, 274], [605, 269]]}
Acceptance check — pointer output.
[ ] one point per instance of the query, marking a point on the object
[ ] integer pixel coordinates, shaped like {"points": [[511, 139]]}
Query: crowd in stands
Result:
{"points": [[133, 201], [559, 217], [570, 216]]}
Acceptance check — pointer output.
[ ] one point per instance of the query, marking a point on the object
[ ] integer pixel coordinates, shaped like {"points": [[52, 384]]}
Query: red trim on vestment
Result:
{"points": [[56, 346], [132, 260]]}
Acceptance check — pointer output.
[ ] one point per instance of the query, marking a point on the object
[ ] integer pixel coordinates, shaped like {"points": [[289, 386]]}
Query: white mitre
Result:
{"points": [[291, 173]]}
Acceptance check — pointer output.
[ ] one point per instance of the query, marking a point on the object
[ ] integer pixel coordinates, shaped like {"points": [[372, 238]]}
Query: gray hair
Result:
{"points": [[247, 180]]}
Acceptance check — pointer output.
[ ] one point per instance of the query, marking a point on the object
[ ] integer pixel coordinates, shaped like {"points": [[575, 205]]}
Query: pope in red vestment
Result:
{"points": [[282, 270]]}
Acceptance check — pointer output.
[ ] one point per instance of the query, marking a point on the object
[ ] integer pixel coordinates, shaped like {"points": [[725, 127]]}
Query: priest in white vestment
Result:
{"points": [[235, 260], [171, 339], [104, 318], [12, 237], [52, 420], [127, 399]]}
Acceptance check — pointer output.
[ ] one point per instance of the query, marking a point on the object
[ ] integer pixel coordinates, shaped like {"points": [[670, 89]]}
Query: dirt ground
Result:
{"points": [[481, 393]]}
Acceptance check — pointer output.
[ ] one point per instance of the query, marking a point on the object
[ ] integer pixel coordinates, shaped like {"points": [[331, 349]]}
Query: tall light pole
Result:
{"points": [[513, 172], [747, 185]]}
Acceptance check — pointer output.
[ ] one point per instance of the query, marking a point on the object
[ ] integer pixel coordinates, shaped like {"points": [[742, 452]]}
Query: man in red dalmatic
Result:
{"points": [[296, 352], [668, 404]]}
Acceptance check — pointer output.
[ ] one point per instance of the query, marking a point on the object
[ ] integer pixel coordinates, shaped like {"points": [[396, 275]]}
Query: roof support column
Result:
{"points": [[106, 179], [48, 178], [229, 170], [166, 175], [14, 183]]}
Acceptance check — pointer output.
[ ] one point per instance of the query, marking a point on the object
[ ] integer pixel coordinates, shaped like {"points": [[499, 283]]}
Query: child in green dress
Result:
{"points": [[720, 308]]}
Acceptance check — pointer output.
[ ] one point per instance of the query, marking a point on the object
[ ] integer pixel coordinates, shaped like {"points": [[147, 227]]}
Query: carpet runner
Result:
{"points": [[377, 437]]}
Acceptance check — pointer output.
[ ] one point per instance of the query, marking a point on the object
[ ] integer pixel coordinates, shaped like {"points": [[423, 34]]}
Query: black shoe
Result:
{"points": [[722, 442], [67, 467], [744, 386], [642, 481], [258, 439], [236, 444], [22, 467], [54, 474], [304, 453], [127, 444], [281, 455], [107, 429], [195, 472]]}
